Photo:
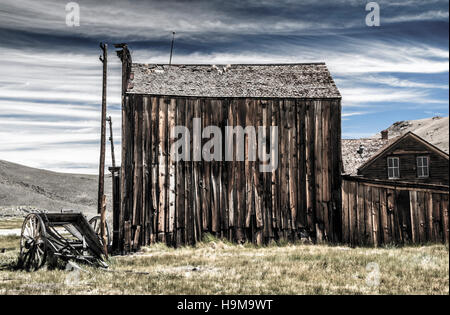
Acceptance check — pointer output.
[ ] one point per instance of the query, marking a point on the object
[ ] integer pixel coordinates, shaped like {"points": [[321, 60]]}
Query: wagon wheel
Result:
{"points": [[95, 222], [33, 243]]}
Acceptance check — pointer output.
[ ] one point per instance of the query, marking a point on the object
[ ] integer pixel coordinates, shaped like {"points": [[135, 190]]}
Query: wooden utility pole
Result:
{"points": [[101, 171], [113, 157]]}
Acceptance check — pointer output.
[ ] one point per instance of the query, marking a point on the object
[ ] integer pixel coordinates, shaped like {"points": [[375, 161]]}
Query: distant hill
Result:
{"points": [[435, 130], [23, 187]]}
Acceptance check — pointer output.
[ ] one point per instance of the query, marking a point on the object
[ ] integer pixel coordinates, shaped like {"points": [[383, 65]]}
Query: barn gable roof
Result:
{"points": [[409, 134], [308, 80]]}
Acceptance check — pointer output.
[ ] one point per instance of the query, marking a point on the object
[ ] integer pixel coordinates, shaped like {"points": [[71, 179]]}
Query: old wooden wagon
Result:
{"points": [[163, 199], [67, 236]]}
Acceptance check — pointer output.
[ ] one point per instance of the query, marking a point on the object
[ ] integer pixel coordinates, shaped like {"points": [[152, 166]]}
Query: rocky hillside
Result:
{"points": [[435, 130], [23, 187]]}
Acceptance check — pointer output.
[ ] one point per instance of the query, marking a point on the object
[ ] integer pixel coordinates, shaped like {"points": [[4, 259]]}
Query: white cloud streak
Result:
{"points": [[50, 98]]}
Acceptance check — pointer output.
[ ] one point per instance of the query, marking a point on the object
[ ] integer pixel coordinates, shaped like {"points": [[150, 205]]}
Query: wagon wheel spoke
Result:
{"points": [[33, 246], [95, 222]]}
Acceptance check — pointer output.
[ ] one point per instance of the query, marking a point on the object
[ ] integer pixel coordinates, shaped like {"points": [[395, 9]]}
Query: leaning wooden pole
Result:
{"points": [[101, 171], [113, 156]]}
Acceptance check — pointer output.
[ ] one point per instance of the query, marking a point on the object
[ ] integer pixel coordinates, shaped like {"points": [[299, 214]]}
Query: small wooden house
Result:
{"points": [[408, 158], [178, 201]]}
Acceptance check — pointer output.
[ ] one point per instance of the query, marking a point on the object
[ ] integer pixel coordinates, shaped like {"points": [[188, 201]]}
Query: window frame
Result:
{"points": [[393, 158], [422, 167]]}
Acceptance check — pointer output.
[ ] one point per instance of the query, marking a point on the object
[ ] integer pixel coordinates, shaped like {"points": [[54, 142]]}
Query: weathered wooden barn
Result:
{"points": [[177, 201], [408, 158]]}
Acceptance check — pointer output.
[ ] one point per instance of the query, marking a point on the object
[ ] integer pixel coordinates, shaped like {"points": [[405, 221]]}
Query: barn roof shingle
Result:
{"points": [[309, 80]]}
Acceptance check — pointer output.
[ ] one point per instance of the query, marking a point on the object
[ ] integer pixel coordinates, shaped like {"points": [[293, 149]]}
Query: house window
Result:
{"points": [[422, 166], [393, 167]]}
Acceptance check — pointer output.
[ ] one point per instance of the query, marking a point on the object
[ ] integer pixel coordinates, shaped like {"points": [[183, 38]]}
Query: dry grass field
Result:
{"points": [[216, 267]]}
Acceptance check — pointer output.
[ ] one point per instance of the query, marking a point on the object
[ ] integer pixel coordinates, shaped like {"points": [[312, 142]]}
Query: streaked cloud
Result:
{"points": [[50, 83]]}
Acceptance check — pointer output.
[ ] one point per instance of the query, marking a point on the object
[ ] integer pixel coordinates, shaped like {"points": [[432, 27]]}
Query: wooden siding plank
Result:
{"points": [[155, 167], [384, 216], [188, 169], [318, 171], [240, 176], [360, 216], [162, 168], [413, 216], [368, 215], [180, 178], [393, 231], [375, 215], [444, 217], [293, 164], [146, 174], [310, 158], [345, 212], [171, 116], [325, 158], [429, 216], [275, 174], [436, 217]]}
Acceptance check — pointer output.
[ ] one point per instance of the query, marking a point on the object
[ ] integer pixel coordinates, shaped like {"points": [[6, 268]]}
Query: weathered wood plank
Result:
{"points": [[368, 214], [393, 227], [310, 158], [429, 216], [352, 213], [360, 216], [345, 212], [384, 228], [301, 187], [318, 147], [376, 216], [162, 168], [436, 218], [275, 174], [444, 217], [421, 223], [155, 166], [197, 177], [413, 216], [248, 166], [325, 158], [206, 174], [215, 197], [180, 177], [171, 116], [257, 176], [240, 175], [293, 163], [231, 167], [146, 175]]}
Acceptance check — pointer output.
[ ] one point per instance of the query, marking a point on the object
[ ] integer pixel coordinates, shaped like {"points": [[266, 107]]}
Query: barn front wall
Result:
{"points": [[163, 200]]}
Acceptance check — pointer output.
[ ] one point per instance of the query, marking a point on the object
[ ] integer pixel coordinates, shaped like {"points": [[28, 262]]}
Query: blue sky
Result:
{"points": [[50, 75]]}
